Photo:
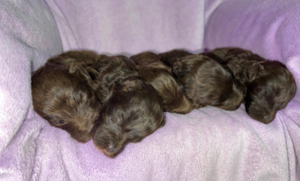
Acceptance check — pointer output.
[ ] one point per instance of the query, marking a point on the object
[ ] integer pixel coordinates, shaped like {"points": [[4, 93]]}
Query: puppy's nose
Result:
{"points": [[268, 118], [110, 148]]}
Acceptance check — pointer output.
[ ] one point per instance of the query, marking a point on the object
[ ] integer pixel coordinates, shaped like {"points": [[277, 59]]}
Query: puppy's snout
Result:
{"points": [[112, 150], [267, 118]]}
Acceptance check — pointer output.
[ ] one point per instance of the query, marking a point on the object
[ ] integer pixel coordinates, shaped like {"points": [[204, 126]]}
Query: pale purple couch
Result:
{"points": [[206, 144]]}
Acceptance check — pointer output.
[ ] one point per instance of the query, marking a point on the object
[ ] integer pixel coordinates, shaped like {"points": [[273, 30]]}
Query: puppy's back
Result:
{"points": [[85, 57], [170, 57], [206, 82], [145, 58], [171, 90]]}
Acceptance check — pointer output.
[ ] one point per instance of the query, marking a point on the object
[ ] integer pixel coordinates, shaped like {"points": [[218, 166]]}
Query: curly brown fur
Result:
{"points": [[244, 64], [87, 63], [133, 111], [160, 76], [270, 85], [170, 57], [112, 70], [206, 82], [145, 58], [271, 90], [65, 100], [86, 57]]}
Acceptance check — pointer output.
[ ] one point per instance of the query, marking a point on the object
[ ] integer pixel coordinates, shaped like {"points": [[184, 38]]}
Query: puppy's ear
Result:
{"points": [[131, 84], [88, 73], [186, 64], [177, 69], [251, 72]]}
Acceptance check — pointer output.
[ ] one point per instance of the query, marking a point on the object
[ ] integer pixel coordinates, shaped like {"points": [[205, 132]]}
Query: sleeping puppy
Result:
{"points": [[170, 57], [206, 82], [133, 111], [270, 85], [270, 91], [160, 76], [62, 97]]}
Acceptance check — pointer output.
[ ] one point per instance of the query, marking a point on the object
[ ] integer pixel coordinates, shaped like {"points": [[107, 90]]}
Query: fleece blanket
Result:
{"points": [[206, 144]]}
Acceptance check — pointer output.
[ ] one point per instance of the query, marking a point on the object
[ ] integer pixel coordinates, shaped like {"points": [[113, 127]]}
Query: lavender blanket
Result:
{"points": [[206, 144]]}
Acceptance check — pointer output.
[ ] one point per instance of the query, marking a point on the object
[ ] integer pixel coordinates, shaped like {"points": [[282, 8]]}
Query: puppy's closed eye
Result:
{"points": [[57, 121], [134, 136], [60, 122]]}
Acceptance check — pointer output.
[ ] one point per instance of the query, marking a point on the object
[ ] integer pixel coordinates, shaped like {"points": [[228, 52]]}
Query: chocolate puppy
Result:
{"points": [[206, 82], [270, 91], [133, 111], [62, 97], [160, 76], [270, 85]]}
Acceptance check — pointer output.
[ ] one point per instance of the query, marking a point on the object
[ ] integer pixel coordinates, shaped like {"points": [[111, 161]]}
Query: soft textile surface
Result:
{"points": [[206, 144], [28, 35], [130, 26]]}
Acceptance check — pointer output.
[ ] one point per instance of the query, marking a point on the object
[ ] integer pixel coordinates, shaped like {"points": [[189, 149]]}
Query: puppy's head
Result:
{"points": [[161, 78], [270, 91], [65, 101], [133, 112], [206, 82]]}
